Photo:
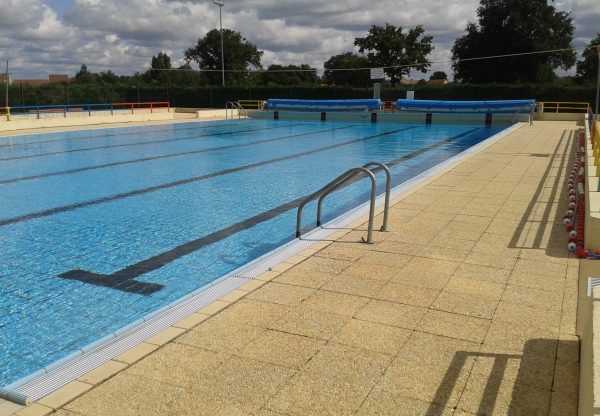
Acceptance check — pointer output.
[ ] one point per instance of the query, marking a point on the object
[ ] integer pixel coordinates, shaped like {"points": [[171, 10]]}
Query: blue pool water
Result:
{"points": [[101, 227]]}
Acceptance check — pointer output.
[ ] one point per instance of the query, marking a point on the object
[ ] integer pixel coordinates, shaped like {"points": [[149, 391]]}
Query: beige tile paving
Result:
{"points": [[248, 383], [466, 306], [335, 303], [283, 349], [311, 323], [281, 294], [391, 313], [221, 335], [372, 336]]}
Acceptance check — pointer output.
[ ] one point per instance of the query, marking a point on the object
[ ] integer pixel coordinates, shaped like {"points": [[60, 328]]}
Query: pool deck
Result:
{"points": [[467, 306]]}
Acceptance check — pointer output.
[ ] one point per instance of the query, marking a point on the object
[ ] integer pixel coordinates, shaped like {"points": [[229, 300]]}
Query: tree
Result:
{"points": [[239, 55], [109, 76], [289, 75], [85, 76], [185, 75], [159, 68], [439, 75], [510, 27], [161, 61], [345, 76], [388, 46], [587, 67]]}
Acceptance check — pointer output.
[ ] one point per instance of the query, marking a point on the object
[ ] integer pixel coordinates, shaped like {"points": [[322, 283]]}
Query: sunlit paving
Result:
{"points": [[278, 208]]}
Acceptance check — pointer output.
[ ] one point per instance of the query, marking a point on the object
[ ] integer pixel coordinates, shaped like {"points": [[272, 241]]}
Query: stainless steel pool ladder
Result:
{"points": [[232, 105], [342, 180]]}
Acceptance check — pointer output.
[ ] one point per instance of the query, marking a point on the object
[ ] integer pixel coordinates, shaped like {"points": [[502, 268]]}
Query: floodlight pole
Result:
{"points": [[6, 81], [221, 4], [597, 83]]}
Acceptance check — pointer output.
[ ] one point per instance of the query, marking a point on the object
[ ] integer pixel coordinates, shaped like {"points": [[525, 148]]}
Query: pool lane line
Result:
{"points": [[124, 279], [85, 149], [83, 204], [419, 152], [101, 136], [166, 156]]}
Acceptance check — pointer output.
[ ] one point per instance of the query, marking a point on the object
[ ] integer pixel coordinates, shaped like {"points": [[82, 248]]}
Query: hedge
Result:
{"points": [[216, 97]]}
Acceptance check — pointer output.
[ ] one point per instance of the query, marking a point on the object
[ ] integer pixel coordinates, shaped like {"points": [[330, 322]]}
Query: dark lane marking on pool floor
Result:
{"points": [[124, 279], [155, 188], [86, 149], [166, 156], [137, 133]]}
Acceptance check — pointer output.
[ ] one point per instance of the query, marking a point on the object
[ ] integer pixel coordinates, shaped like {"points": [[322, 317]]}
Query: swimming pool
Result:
{"points": [[100, 227]]}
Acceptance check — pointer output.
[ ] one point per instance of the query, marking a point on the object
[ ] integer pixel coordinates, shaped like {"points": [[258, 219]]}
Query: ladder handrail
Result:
{"points": [[388, 190], [336, 183], [234, 106], [388, 187]]}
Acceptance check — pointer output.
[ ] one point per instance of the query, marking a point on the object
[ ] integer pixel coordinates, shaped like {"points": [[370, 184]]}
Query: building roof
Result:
{"points": [[31, 81], [437, 82]]}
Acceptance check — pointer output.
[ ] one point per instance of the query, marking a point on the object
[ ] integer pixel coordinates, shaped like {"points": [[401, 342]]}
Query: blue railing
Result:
{"points": [[85, 108]]}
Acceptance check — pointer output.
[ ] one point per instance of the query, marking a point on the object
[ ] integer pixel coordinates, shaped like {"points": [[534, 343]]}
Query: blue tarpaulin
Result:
{"points": [[324, 105], [493, 106]]}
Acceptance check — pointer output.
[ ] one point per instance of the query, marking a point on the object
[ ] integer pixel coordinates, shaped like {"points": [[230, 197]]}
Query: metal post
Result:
{"points": [[6, 82], [388, 191], [330, 187], [168, 98], [597, 82], [531, 113], [221, 4]]}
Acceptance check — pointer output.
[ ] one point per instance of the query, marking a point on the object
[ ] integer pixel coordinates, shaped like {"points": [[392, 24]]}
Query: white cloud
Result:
{"points": [[122, 35]]}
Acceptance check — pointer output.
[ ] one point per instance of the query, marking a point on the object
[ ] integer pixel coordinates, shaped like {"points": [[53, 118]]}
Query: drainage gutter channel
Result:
{"points": [[86, 359]]}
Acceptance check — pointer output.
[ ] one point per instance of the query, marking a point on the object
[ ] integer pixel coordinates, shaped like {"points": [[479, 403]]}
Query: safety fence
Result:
{"points": [[66, 109], [252, 104], [563, 107]]}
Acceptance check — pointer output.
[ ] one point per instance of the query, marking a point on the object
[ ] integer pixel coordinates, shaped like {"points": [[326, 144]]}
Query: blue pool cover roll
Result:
{"points": [[496, 106], [324, 105]]}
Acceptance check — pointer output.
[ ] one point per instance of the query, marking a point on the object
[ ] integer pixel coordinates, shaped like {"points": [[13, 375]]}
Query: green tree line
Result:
{"points": [[216, 96]]}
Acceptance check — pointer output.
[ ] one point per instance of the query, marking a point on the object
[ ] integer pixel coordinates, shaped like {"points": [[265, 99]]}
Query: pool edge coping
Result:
{"points": [[57, 384]]}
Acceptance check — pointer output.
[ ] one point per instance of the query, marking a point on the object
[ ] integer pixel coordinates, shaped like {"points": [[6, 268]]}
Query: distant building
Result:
{"points": [[437, 82], [53, 78], [409, 81], [31, 81], [3, 79], [57, 78]]}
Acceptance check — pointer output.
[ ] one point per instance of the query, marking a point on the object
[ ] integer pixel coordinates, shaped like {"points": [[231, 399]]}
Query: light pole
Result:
{"points": [[6, 81], [597, 83], [221, 4]]}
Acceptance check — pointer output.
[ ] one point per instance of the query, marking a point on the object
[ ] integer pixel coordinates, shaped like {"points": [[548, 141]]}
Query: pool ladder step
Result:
{"points": [[343, 180]]}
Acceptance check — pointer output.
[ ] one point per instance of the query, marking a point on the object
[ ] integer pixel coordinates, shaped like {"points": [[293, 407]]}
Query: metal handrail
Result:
{"points": [[388, 191], [563, 106], [388, 187], [89, 108], [233, 105], [336, 183], [251, 104]]}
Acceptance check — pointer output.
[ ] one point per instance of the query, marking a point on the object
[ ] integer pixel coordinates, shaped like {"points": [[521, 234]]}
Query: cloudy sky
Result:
{"points": [[57, 36]]}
